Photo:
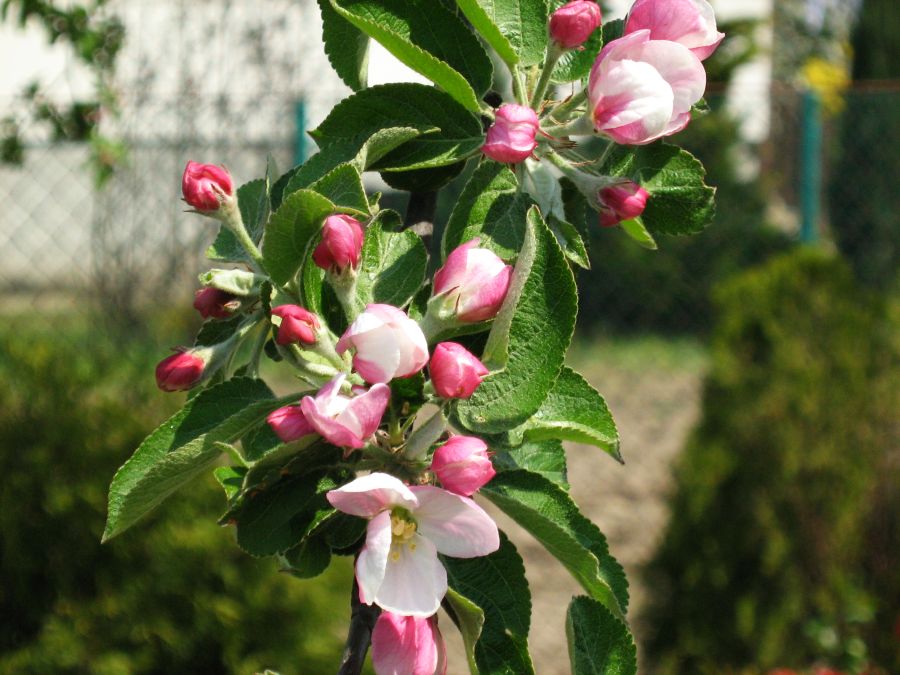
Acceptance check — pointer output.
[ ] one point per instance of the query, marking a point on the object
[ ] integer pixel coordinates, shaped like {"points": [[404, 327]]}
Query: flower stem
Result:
{"points": [[235, 223], [554, 52], [561, 111], [359, 636]]}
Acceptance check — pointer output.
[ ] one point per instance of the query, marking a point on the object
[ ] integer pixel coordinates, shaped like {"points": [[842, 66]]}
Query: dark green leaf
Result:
{"points": [[549, 514], [523, 23], [343, 186], [576, 64], [392, 267], [214, 331], [428, 38], [599, 643], [253, 203], [307, 559], [485, 25], [346, 46], [545, 457], [469, 618], [570, 241], [292, 231]]}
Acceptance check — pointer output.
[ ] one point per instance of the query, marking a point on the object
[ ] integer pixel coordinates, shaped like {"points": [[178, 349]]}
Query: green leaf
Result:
{"points": [[214, 331], [469, 618], [230, 478], [523, 23], [492, 207], [549, 514], [575, 411], [576, 64], [355, 119], [275, 519], [496, 583], [569, 239], [680, 202], [392, 267], [346, 46], [307, 559], [485, 25], [184, 447], [428, 38], [343, 187], [253, 203], [529, 337], [544, 457], [599, 643], [292, 231], [635, 230]]}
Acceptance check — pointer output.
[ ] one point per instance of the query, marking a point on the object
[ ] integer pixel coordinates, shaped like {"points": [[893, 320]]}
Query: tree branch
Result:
{"points": [[359, 636]]}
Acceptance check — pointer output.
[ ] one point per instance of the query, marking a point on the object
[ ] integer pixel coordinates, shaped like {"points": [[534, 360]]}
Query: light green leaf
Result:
{"points": [[428, 38], [291, 232], [358, 117], [230, 478], [392, 267], [680, 202], [343, 187], [544, 457], [346, 46], [184, 447], [491, 207], [469, 618], [599, 643], [550, 516], [576, 64], [496, 583], [253, 203], [574, 411], [570, 241], [523, 23], [635, 229], [529, 338], [484, 24]]}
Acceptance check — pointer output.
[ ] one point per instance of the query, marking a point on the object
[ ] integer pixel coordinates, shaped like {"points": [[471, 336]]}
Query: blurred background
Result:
{"points": [[753, 370]]}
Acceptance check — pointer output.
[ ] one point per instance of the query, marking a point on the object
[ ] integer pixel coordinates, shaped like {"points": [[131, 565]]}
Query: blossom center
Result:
{"points": [[403, 530]]}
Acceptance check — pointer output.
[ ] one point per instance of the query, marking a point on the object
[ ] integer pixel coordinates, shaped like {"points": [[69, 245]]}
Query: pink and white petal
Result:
{"points": [[456, 525], [634, 91], [364, 323], [405, 645], [681, 68], [364, 412], [369, 495], [332, 430], [332, 388], [373, 557], [452, 274], [416, 582]]}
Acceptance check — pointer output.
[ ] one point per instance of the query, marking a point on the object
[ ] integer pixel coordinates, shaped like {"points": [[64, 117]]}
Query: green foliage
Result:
{"points": [[393, 266], [599, 644], [346, 46], [522, 25], [773, 556], [175, 596], [292, 232]]}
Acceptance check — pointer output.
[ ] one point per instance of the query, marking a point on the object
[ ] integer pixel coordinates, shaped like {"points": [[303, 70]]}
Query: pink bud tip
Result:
{"points": [[386, 344], [215, 304], [289, 423], [476, 280], [622, 201], [297, 325], [511, 138], [205, 186], [342, 239], [180, 371], [407, 645], [455, 371], [572, 24], [691, 23], [462, 465]]}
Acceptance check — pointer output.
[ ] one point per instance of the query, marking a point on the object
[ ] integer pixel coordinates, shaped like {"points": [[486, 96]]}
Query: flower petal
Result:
{"points": [[406, 645], [415, 582], [457, 525], [364, 412], [372, 494], [372, 560]]}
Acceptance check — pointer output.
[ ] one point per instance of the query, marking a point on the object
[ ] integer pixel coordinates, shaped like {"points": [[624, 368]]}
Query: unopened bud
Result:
{"points": [[297, 325], [621, 201], [342, 239], [462, 465], [455, 371], [511, 138], [183, 370], [215, 304], [206, 186], [572, 24]]}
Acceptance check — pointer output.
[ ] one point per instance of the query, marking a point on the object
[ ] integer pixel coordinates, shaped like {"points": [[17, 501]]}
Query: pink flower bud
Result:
{"points": [[289, 423], [462, 465], [511, 138], [387, 344], [455, 371], [206, 186], [342, 239], [572, 24], [691, 23], [474, 280], [621, 201], [343, 420], [408, 645], [297, 325], [216, 304], [180, 371], [642, 89]]}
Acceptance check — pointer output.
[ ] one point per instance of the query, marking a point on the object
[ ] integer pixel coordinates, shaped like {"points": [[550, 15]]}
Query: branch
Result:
{"points": [[362, 621]]}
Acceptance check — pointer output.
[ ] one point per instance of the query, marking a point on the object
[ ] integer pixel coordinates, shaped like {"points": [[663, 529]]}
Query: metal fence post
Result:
{"points": [[810, 166], [299, 132]]}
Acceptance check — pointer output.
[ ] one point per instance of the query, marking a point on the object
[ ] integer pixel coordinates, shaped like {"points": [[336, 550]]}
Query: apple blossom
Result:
{"points": [[342, 239], [216, 304], [455, 371], [408, 645], [691, 23], [621, 201], [181, 371], [297, 325], [511, 138], [642, 89], [386, 344], [206, 186], [474, 281], [462, 465], [572, 24], [289, 423], [344, 420], [398, 567]]}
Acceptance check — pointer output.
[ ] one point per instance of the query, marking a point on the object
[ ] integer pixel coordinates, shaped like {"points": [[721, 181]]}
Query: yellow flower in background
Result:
{"points": [[829, 80]]}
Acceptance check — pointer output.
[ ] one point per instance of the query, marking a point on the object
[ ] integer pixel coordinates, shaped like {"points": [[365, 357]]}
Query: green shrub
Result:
{"points": [[786, 512], [174, 596]]}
